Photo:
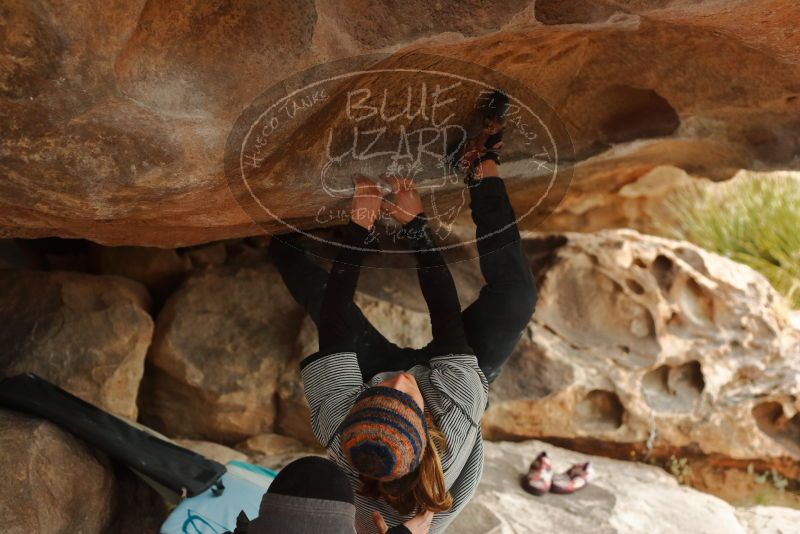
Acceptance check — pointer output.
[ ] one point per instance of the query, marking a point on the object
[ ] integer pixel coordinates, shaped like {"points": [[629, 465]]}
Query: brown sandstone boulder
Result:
{"points": [[53, 483], [220, 346], [115, 125], [653, 345], [642, 204], [87, 334]]}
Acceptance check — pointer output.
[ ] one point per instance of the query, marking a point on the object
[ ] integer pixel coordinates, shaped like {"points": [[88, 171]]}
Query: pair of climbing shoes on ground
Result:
{"points": [[541, 479]]}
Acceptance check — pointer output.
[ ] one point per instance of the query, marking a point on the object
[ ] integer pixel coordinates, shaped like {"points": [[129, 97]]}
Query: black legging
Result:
{"points": [[492, 324], [338, 332]]}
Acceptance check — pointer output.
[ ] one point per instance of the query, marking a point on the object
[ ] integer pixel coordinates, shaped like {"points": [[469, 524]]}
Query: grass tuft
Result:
{"points": [[751, 220]]}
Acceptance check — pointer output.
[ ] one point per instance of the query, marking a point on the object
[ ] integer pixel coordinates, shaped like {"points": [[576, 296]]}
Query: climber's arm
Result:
{"points": [[332, 378], [438, 289], [335, 332], [435, 279]]}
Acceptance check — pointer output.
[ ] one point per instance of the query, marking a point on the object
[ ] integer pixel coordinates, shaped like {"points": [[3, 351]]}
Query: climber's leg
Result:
{"points": [[306, 281], [496, 320]]}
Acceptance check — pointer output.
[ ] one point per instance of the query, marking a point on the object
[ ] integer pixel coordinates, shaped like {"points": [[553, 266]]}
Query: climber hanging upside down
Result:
{"points": [[405, 423]]}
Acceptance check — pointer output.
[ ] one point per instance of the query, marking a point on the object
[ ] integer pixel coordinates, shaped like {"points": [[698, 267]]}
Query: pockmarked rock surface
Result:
{"points": [[220, 346], [641, 204], [88, 334], [654, 346], [624, 497], [53, 482], [115, 116]]}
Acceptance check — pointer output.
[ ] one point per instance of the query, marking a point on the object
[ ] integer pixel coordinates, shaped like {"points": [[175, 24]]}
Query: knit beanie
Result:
{"points": [[384, 435]]}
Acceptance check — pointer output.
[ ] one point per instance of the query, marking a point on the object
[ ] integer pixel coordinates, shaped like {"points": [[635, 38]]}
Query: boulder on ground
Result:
{"points": [[219, 349], [85, 333], [648, 341], [52, 482]]}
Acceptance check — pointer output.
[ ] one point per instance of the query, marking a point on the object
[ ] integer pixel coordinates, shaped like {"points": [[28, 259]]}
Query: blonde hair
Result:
{"points": [[421, 490]]}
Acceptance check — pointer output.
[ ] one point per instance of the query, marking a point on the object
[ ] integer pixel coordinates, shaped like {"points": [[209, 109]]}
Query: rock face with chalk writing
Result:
{"points": [[115, 118]]}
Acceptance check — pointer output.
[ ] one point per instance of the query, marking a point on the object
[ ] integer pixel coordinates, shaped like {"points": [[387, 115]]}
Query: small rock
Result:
{"points": [[274, 451], [268, 444], [204, 255], [214, 451]]}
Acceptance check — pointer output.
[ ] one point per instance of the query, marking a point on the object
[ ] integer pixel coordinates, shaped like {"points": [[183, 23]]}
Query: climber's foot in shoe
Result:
{"points": [[484, 135]]}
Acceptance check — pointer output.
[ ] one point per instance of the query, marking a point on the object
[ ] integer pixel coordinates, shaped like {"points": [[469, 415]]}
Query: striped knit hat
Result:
{"points": [[384, 435]]}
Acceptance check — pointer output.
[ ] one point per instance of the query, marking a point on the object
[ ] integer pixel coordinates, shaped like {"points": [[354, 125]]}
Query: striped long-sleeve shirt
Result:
{"points": [[455, 392]]}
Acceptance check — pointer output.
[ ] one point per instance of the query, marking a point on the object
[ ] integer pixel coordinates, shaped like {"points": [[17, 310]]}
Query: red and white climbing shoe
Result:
{"points": [[485, 135], [540, 475], [573, 479]]}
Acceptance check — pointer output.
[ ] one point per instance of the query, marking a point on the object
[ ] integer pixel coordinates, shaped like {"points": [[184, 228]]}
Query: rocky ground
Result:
{"points": [[625, 497]]}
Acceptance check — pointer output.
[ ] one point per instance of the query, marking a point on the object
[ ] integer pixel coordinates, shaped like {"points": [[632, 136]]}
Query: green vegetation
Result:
{"points": [[771, 476], [680, 469], [751, 220]]}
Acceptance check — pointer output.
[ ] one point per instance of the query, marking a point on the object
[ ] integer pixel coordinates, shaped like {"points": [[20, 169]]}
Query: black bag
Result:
{"points": [[178, 469]]}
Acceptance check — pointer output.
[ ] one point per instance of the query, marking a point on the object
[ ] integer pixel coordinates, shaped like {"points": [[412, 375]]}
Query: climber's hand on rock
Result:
{"points": [[366, 202], [406, 203], [419, 524]]}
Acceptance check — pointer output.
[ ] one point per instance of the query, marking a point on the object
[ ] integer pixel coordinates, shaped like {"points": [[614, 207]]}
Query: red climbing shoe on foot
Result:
{"points": [[540, 475], [573, 479], [485, 136]]}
